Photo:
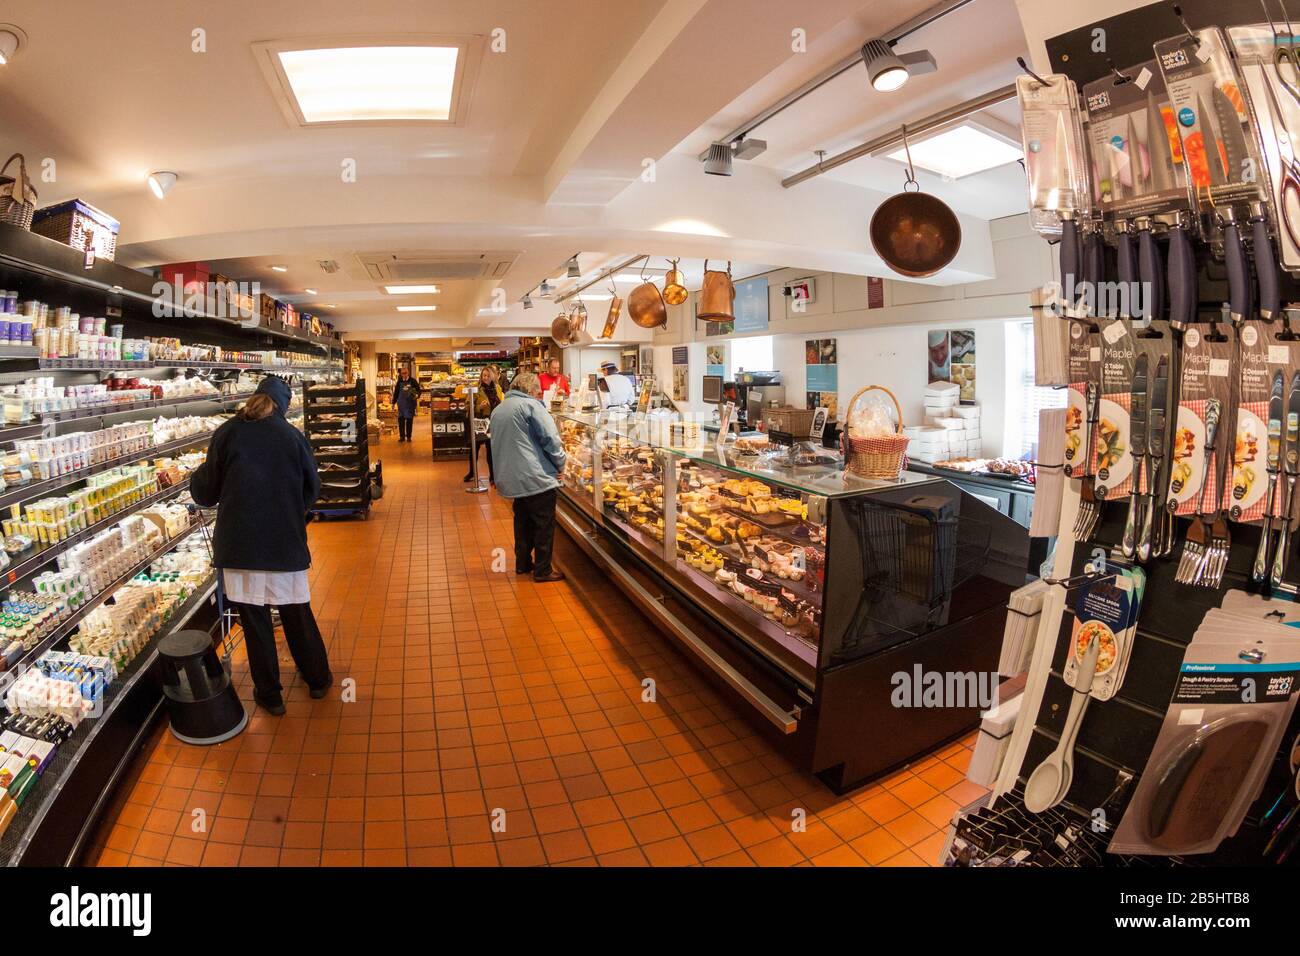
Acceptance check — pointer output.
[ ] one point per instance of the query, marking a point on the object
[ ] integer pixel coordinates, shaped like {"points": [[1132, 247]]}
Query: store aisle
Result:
{"points": [[476, 692]]}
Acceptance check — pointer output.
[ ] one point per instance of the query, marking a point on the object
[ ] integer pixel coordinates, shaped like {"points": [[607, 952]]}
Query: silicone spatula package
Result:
{"points": [[1084, 368], [1105, 608], [1053, 146], [1136, 155], [1235, 695], [1204, 405], [1213, 120], [1276, 114]]}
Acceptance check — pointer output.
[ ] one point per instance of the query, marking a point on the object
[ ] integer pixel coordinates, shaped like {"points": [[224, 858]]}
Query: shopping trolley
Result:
{"points": [[225, 614]]}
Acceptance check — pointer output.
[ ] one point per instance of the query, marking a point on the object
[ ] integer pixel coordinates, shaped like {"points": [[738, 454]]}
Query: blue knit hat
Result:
{"points": [[278, 390]]}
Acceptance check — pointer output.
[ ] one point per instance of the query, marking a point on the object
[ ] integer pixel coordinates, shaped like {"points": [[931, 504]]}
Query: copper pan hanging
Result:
{"points": [[646, 306], [675, 284], [561, 329], [915, 233], [615, 310]]}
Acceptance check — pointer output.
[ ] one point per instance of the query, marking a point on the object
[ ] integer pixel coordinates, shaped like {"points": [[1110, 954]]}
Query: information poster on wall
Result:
{"points": [[681, 368], [715, 360], [875, 292], [952, 359], [822, 375]]}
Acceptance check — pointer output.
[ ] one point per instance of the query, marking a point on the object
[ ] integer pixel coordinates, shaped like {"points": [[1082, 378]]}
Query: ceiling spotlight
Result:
{"points": [[11, 38], [574, 272], [718, 162], [161, 183], [279, 269], [545, 289], [310, 291], [528, 302], [889, 70]]}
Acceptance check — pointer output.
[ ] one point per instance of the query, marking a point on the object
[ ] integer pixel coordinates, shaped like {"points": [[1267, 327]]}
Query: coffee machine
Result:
{"points": [[754, 391]]}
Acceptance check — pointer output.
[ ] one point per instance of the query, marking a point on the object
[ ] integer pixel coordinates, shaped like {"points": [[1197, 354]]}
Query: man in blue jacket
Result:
{"points": [[529, 459]]}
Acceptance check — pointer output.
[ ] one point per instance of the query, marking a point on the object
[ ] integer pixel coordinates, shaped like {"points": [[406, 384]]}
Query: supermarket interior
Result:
{"points": [[666, 433]]}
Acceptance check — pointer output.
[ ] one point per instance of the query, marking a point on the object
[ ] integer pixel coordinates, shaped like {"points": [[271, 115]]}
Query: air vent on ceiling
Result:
{"points": [[328, 266], [426, 266]]}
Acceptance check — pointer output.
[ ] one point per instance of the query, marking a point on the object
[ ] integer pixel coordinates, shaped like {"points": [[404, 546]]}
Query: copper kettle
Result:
{"points": [[915, 233], [646, 306], [675, 285]]}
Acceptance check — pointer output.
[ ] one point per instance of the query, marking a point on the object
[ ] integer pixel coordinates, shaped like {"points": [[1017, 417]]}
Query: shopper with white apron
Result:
{"points": [[261, 474]]}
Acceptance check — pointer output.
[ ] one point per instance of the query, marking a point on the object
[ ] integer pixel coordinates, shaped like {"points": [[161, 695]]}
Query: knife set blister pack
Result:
{"points": [[1205, 398], [1276, 112], [1052, 137], [1135, 151], [1235, 695], [1105, 608], [1211, 116]]}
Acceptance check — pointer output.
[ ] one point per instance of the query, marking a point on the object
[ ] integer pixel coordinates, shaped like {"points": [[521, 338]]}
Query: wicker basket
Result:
{"points": [[794, 421], [79, 225], [875, 457], [17, 197]]}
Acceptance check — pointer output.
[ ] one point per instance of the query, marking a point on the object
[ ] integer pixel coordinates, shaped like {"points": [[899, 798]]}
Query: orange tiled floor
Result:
{"points": [[479, 692]]}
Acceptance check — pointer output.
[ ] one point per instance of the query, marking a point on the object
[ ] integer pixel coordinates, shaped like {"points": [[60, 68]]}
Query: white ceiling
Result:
{"points": [[549, 161]]}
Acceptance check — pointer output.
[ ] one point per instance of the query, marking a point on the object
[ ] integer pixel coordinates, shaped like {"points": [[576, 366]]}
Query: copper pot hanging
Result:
{"points": [[717, 295], [577, 321], [615, 310], [561, 330], [675, 284], [915, 233], [646, 306]]}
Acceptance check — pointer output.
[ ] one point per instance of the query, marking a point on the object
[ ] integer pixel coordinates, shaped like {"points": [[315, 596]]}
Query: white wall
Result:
{"points": [[887, 346]]}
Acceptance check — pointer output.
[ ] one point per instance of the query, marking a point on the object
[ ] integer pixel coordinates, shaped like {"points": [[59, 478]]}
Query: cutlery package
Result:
{"points": [[1053, 148]]}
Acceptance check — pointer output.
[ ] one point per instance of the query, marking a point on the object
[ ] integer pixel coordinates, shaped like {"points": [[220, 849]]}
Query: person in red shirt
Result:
{"points": [[553, 376]]}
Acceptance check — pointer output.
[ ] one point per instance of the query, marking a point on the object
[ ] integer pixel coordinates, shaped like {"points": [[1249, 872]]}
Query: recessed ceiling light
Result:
{"points": [[960, 151], [161, 183], [372, 83], [412, 289], [310, 291], [279, 269], [417, 308]]}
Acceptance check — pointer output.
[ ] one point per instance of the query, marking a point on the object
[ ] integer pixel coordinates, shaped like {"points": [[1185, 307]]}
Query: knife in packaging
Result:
{"points": [[1291, 466], [1259, 571], [1158, 406], [1137, 438]]}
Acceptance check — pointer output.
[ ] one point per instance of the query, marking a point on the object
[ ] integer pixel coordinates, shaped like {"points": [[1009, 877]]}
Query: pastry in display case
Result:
{"points": [[806, 588]]}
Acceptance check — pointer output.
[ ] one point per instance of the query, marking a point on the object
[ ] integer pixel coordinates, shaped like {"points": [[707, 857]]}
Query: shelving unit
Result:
{"points": [[334, 417], [58, 818], [533, 353], [449, 421]]}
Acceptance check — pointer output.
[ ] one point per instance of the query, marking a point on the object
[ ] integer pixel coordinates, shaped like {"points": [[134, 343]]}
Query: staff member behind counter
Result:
{"points": [[615, 388]]}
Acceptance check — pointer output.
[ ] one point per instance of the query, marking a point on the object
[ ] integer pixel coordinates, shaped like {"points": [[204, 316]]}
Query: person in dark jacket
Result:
{"points": [[406, 396], [261, 474]]}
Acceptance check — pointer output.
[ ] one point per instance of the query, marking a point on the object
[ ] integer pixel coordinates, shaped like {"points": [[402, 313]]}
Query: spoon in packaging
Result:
{"points": [[1050, 781]]}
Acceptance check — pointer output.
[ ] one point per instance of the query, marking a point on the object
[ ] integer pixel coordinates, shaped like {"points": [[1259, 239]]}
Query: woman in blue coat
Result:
{"points": [[406, 395]]}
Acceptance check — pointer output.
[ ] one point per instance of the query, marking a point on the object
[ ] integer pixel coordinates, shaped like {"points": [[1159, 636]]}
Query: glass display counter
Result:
{"points": [[815, 579]]}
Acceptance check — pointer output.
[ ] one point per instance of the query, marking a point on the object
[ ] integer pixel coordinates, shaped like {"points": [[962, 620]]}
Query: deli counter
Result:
{"points": [[832, 604]]}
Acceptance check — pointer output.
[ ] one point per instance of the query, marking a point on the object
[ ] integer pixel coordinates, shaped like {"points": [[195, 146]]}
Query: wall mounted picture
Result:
{"points": [[951, 358]]}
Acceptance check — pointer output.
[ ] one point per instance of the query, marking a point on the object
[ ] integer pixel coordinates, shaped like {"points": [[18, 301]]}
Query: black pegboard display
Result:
{"points": [[1117, 735]]}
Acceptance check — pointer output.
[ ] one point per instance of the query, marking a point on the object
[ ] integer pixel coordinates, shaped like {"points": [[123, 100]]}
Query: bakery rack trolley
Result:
{"points": [[334, 420]]}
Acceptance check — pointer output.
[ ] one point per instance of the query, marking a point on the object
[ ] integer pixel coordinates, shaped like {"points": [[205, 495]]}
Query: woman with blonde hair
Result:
{"points": [[261, 474], [487, 398]]}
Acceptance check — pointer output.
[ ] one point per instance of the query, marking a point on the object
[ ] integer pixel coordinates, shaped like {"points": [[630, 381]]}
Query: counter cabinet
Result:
{"points": [[812, 593]]}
